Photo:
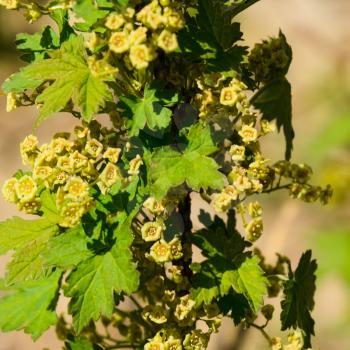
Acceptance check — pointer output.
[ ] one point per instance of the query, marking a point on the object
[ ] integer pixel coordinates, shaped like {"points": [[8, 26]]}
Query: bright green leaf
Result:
{"points": [[150, 109], [30, 307], [92, 284], [16, 233], [87, 10], [248, 279], [68, 249]]}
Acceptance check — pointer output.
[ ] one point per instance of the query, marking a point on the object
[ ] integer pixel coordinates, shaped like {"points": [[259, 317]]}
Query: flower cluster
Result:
{"points": [[153, 231], [270, 58], [137, 36], [68, 169], [295, 341]]}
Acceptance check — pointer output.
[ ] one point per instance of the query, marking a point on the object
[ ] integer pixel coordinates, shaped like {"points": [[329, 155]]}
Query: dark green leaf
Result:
{"points": [[275, 102], [298, 299]]}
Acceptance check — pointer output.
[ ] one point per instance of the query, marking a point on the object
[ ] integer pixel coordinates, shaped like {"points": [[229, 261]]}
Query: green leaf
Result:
{"points": [[238, 7], [67, 249], [30, 307], [19, 82], [81, 344], [275, 102], [26, 263], [150, 109], [235, 305], [298, 299], [16, 233], [72, 78], [60, 16], [169, 168], [92, 284], [248, 280], [215, 19], [87, 10], [205, 288], [48, 206]]}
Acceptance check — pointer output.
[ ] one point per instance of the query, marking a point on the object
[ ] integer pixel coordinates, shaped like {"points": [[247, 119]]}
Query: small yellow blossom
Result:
{"points": [[160, 252], [71, 214], [31, 206], [138, 36], [237, 153], [10, 4], [135, 165], [119, 42], [79, 160], [9, 191], [228, 96], [114, 21], [112, 154], [65, 163], [222, 202], [42, 172], [94, 148], [76, 188], [140, 56], [167, 41], [29, 144], [151, 231], [25, 188], [154, 206], [254, 229], [109, 176], [248, 134], [154, 345], [11, 101], [176, 249]]}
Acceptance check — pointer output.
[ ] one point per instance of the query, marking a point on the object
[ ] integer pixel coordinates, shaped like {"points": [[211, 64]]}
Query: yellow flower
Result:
{"points": [[184, 307], [25, 188], [175, 249], [59, 144], [76, 188], [154, 206], [140, 56], [156, 313], [71, 214], [10, 4], [248, 134], [231, 191], [65, 163], [151, 231], [119, 42], [109, 176], [11, 102], [154, 345], [138, 36], [160, 251], [237, 153], [31, 206], [112, 154], [114, 21], [254, 229], [228, 96], [173, 19], [93, 147], [9, 191], [79, 160], [222, 202], [29, 144], [42, 172], [242, 183], [196, 340], [90, 171], [173, 344], [167, 41], [135, 165], [92, 41], [58, 177]]}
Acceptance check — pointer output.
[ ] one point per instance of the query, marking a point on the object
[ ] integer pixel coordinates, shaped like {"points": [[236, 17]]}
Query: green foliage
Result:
{"points": [[92, 284], [112, 200], [170, 168], [30, 306], [150, 109], [299, 293]]}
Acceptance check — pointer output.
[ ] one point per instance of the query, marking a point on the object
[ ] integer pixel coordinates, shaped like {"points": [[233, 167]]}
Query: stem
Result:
{"points": [[263, 332], [135, 302], [276, 188], [185, 211]]}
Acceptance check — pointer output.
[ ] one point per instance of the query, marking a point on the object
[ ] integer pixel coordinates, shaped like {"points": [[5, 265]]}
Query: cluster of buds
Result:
{"points": [[137, 36], [68, 169], [270, 58], [299, 175], [295, 341]]}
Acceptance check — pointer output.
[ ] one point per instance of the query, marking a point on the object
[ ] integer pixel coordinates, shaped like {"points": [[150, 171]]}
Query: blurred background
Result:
{"points": [[319, 33]]}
